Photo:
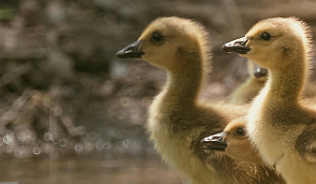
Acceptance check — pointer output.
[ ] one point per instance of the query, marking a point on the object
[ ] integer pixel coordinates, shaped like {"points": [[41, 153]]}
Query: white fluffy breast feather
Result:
{"points": [[296, 170], [272, 141]]}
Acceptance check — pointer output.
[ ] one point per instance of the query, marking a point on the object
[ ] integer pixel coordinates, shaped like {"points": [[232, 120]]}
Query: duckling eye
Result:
{"points": [[240, 131], [266, 36], [156, 37]]}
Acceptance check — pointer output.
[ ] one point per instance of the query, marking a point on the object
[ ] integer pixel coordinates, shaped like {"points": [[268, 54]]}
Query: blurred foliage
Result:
{"points": [[7, 14]]}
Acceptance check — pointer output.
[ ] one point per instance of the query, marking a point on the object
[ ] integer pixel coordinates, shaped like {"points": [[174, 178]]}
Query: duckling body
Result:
{"points": [[177, 119], [247, 91], [279, 123]]}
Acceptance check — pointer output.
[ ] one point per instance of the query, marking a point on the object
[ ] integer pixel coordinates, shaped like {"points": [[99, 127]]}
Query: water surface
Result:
{"points": [[88, 171]]}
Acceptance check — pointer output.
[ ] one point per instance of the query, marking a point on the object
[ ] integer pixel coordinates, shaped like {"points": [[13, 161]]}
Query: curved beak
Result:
{"points": [[214, 142], [130, 51], [259, 72], [238, 46]]}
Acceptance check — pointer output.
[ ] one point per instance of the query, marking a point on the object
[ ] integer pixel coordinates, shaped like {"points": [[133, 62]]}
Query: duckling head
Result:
{"points": [[238, 146], [167, 41], [271, 41]]}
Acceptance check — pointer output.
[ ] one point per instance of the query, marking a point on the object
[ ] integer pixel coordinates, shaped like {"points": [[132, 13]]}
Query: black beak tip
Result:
{"points": [[120, 54], [205, 140], [130, 51], [219, 146], [260, 72], [239, 50], [214, 142], [225, 48], [128, 54], [238, 46]]}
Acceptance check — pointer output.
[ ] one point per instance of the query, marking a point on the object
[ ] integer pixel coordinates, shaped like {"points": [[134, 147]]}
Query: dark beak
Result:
{"points": [[259, 72], [238, 46], [130, 51], [214, 142]]}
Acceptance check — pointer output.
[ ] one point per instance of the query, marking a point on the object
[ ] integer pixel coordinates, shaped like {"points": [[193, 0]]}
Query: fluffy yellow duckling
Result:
{"points": [[234, 142], [177, 118], [281, 126], [247, 91]]}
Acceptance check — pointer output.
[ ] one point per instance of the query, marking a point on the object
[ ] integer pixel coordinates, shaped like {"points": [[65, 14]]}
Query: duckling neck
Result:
{"points": [[286, 82], [184, 85]]}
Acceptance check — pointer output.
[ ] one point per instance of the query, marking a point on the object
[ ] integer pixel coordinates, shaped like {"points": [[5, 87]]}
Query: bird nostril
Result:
{"points": [[130, 48], [241, 41], [217, 138]]}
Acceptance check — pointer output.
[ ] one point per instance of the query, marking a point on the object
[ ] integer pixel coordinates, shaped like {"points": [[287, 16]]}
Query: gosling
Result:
{"points": [[178, 120], [280, 124], [234, 142]]}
